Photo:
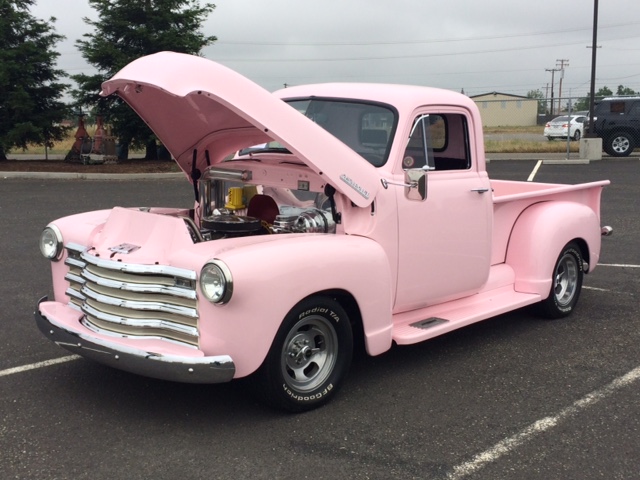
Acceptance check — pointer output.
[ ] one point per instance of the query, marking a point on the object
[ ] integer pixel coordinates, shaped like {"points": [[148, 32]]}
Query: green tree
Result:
{"points": [[127, 30], [625, 91], [31, 109], [583, 102], [542, 102]]}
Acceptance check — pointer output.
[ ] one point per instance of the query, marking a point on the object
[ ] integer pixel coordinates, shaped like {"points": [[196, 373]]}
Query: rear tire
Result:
{"points": [[566, 284], [309, 358], [619, 144]]}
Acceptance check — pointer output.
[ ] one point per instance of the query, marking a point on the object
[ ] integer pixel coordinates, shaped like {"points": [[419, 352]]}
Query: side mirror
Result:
{"points": [[415, 184]]}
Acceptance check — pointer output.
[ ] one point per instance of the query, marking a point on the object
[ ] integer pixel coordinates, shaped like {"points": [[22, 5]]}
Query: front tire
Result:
{"points": [[619, 144], [566, 284], [309, 358]]}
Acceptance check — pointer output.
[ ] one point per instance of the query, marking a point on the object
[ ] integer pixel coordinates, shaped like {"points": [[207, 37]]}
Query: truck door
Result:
{"points": [[444, 241]]}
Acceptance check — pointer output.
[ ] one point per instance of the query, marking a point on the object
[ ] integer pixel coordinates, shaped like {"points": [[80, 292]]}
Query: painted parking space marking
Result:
{"points": [[620, 265], [33, 366], [502, 448], [535, 171], [509, 444]]}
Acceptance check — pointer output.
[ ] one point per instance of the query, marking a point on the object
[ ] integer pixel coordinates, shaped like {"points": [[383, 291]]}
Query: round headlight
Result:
{"points": [[215, 282], [51, 243]]}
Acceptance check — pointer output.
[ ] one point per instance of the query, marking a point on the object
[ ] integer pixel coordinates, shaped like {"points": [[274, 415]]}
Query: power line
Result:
{"points": [[415, 42], [408, 56]]}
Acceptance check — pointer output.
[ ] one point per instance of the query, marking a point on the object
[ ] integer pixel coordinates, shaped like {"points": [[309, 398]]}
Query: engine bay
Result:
{"points": [[231, 205]]}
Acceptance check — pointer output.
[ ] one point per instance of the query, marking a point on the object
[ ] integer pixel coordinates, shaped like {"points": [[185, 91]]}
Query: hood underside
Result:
{"points": [[194, 104]]}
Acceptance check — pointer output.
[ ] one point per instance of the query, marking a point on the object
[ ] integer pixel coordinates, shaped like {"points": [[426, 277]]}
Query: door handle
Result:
{"points": [[480, 190]]}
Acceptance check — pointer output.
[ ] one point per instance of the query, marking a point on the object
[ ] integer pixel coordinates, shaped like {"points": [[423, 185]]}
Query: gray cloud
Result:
{"points": [[476, 46]]}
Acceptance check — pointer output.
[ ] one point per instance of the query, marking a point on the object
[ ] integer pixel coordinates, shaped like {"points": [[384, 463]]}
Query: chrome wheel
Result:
{"points": [[309, 353], [309, 357], [566, 283], [566, 279]]}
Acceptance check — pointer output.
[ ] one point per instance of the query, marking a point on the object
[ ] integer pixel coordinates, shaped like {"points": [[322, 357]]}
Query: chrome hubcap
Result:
{"points": [[309, 353], [566, 279]]}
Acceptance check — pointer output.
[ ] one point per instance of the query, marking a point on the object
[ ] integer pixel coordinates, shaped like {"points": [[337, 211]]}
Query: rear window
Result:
{"points": [[616, 107]]}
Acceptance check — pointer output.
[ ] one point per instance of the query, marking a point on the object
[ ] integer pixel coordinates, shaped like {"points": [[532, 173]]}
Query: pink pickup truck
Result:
{"points": [[324, 215]]}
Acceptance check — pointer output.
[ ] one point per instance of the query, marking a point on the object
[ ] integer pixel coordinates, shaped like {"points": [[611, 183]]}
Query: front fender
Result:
{"points": [[539, 235], [272, 277]]}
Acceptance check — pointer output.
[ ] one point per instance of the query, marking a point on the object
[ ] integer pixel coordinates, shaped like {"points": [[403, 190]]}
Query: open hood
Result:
{"points": [[192, 103]]}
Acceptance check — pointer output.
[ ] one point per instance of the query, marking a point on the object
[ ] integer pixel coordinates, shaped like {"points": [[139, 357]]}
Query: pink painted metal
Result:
{"points": [[198, 104], [474, 248]]}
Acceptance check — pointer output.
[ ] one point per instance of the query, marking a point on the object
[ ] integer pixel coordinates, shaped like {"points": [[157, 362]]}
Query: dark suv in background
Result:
{"points": [[617, 122]]}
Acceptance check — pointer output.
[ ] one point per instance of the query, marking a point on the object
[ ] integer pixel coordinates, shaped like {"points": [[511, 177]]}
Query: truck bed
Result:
{"points": [[511, 198], [510, 190]]}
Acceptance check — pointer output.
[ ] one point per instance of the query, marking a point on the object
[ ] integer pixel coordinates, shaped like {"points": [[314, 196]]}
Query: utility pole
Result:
{"points": [[553, 72], [594, 47], [560, 64]]}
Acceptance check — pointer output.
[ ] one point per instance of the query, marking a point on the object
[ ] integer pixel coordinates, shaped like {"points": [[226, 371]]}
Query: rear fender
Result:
{"points": [[538, 237]]}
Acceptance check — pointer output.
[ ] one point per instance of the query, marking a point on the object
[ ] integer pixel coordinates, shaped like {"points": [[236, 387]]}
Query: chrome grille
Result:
{"points": [[74, 275], [142, 301]]}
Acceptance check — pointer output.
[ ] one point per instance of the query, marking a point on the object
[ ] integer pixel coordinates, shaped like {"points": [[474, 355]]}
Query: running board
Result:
{"points": [[419, 325]]}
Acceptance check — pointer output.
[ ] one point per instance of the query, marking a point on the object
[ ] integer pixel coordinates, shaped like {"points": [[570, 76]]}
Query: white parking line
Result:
{"points": [[535, 170], [33, 366], [595, 288], [509, 444], [618, 265]]}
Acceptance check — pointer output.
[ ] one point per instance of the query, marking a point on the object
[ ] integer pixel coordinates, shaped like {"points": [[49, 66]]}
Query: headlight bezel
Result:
{"points": [[211, 270], [54, 254]]}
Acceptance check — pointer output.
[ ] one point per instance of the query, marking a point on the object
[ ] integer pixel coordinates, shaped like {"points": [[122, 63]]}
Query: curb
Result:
{"points": [[548, 161], [579, 161], [90, 176], [175, 175]]}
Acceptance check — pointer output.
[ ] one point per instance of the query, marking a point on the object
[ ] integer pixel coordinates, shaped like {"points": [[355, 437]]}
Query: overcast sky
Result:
{"points": [[479, 46]]}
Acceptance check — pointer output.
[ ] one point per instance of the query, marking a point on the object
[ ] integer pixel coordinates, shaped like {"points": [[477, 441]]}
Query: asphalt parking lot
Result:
{"points": [[514, 397]]}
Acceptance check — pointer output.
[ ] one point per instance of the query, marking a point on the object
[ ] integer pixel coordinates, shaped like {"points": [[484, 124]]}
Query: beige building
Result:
{"points": [[501, 109]]}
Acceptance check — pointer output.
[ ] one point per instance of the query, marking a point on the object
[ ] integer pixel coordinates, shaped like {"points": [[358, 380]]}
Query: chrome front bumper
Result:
{"points": [[177, 368]]}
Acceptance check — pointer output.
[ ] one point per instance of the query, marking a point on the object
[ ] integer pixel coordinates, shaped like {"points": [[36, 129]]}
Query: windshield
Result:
{"points": [[367, 128]]}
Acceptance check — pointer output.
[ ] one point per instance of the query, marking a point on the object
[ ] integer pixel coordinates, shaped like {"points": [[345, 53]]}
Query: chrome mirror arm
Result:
{"points": [[386, 183]]}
